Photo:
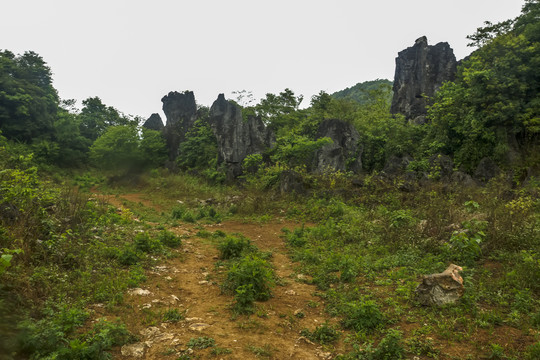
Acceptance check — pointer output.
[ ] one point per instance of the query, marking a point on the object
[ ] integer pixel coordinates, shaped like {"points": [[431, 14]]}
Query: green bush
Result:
{"points": [[323, 334], [533, 351], [249, 279], [143, 242], [234, 246], [169, 239], [128, 256], [362, 316]]}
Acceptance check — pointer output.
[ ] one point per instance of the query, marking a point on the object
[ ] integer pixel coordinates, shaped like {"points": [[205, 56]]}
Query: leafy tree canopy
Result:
{"points": [[28, 101], [493, 107]]}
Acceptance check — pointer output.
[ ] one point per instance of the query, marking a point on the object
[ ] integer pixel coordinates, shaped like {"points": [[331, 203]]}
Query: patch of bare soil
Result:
{"points": [[189, 283]]}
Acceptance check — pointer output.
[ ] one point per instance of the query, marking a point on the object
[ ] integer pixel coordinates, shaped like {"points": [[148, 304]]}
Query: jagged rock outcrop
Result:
{"points": [[181, 112], [440, 289], [236, 137], [420, 71], [344, 153], [154, 122]]}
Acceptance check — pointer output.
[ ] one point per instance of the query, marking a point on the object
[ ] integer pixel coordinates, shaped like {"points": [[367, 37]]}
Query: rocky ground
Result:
{"points": [[189, 282]]}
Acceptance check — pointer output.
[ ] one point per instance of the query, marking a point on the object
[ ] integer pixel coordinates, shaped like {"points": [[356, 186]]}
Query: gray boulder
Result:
{"points": [[291, 182], [154, 122], [440, 289], [344, 153], [486, 170], [181, 112], [396, 165], [420, 71], [236, 137]]}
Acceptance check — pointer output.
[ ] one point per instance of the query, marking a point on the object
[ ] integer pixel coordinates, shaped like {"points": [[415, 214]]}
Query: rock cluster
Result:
{"points": [[236, 137], [344, 153], [420, 71], [181, 112], [154, 122]]}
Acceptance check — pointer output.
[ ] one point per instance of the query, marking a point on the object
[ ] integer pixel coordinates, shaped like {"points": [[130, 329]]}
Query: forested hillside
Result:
{"points": [[304, 231]]}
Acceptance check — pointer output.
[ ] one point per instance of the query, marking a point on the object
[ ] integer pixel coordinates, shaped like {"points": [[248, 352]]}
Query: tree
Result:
{"points": [[28, 101], [493, 106], [96, 117], [125, 148]]}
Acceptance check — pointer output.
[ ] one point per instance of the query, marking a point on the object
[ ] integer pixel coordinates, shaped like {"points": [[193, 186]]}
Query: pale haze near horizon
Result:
{"points": [[132, 53]]}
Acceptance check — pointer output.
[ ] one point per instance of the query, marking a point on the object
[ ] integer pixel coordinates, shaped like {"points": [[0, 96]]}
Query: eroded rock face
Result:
{"points": [[154, 122], [440, 289], [181, 112], [344, 153], [420, 71], [396, 165], [237, 138], [486, 170]]}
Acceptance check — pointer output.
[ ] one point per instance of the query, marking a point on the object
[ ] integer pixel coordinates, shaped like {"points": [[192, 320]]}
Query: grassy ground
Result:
{"points": [[362, 250]]}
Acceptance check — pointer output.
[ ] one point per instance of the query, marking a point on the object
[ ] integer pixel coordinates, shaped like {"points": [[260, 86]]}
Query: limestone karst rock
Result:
{"points": [[236, 137], [440, 289], [344, 153], [154, 122], [420, 71], [181, 112], [486, 170]]}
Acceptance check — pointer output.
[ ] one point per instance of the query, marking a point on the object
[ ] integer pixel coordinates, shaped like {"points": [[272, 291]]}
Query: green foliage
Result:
{"points": [[169, 239], [323, 334], [96, 118], [28, 101], [250, 279], [525, 270], [6, 257], [389, 348], [533, 351], [232, 247], [202, 342], [361, 92], [120, 149], [143, 242], [278, 110], [199, 150], [464, 245], [492, 107], [172, 315], [362, 316]]}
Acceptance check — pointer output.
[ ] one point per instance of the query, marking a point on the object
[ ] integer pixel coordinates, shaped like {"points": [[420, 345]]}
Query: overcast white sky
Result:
{"points": [[130, 53]]}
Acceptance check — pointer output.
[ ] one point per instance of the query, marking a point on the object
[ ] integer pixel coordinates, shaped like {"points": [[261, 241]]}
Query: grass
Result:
{"points": [[364, 255]]}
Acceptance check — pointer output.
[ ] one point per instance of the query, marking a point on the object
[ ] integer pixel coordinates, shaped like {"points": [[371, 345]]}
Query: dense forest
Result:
{"points": [[408, 199]]}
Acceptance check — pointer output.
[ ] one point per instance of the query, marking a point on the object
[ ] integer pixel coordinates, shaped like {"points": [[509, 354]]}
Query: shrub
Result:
{"points": [[128, 256], [234, 246], [169, 239], [249, 279], [143, 242], [363, 316], [172, 315], [323, 334], [533, 351]]}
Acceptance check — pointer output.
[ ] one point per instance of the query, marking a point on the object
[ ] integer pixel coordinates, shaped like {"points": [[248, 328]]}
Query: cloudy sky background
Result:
{"points": [[131, 53]]}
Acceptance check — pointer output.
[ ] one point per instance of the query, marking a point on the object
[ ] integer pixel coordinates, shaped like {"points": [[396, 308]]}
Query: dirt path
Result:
{"points": [[189, 283]]}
